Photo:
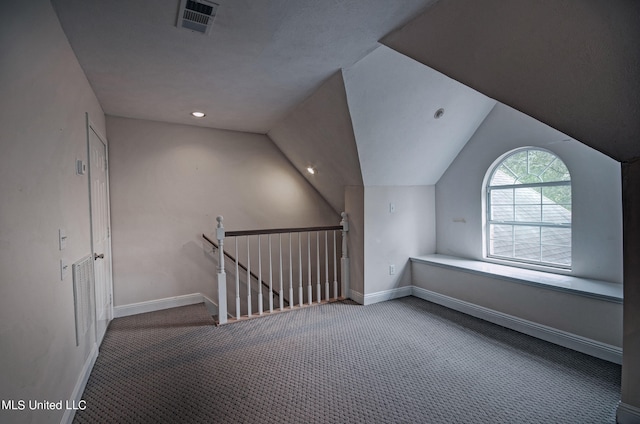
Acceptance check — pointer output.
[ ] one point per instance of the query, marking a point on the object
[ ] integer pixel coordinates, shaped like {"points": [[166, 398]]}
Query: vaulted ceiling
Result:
{"points": [[315, 78]]}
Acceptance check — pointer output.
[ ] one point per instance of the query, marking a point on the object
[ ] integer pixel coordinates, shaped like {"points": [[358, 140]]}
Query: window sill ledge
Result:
{"points": [[598, 289]]}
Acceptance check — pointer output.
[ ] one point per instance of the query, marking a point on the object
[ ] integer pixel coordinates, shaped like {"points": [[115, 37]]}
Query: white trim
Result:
{"points": [[381, 296], [159, 304], [572, 341], [627, 414], [78, 390], [210, 305], [356, 297]]}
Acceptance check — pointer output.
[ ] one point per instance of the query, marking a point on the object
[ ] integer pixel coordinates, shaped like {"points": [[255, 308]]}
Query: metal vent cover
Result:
{"points": [[197, 15]]}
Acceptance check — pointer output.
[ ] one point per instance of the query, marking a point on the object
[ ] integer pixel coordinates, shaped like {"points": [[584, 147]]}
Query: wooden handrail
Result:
{"points": [[228, 255], [281, 231]]}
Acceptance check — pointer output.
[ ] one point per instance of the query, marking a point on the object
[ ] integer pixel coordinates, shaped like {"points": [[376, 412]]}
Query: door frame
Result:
{"points": [[91, 127]]}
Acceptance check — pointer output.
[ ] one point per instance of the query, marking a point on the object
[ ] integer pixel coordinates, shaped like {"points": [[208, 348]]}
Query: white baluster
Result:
{"points": [[309, 286], [290, 275], [260, 277], [280, 292], [248, 278], [270, 278], [222, 276], [335, 267], [237, 283], [345, 257], [326, 266], [300, 291], [319, 284]]}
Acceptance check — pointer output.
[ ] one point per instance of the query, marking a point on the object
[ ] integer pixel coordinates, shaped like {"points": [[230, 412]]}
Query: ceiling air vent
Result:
{"points": [[197, 15]]}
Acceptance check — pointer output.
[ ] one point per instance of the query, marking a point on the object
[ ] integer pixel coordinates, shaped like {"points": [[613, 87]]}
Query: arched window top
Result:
{"points": [[529, 209], [529, 166]]}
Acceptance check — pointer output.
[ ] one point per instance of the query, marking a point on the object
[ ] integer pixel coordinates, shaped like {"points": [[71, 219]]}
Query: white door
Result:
{"points": [[100, 232]]}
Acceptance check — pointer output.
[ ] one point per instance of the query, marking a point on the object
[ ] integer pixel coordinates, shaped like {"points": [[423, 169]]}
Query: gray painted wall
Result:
{"points": [[595, 319], [318, 132], [391, 238], [354, 206], [596, 193], [42, 107], [631, 343], [170, 181]]}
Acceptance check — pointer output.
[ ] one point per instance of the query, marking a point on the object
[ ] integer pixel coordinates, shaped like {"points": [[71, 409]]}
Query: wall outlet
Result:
{"points": [[392, 207], [392, 269]]}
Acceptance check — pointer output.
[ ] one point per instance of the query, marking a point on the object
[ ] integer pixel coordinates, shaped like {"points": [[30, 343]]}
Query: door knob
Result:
{"points": [[96, 256]]}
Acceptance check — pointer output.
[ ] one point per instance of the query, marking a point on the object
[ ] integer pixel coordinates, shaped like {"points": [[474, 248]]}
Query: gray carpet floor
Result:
{"points": [[402, 361]]}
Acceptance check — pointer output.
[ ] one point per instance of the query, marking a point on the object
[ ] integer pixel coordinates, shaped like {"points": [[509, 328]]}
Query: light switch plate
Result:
{"points": [[63, 269], [81, 167], [62, 238]]}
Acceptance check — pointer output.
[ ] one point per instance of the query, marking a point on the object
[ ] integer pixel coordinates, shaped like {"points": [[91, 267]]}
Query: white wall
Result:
{"points": [[42, 108], [168, 184], [596, 193], [392, 100], [391, 238]]}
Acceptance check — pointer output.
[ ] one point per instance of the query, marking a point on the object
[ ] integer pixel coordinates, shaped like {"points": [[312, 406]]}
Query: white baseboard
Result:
{"points": [[627, 414], [381, 296], [78, 390], [211, 306], [572, 341], [356, 297], [158, 304]]}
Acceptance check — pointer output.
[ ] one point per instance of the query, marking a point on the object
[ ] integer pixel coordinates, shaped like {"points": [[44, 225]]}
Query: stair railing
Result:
{"points": [[242, 266], [281, 267]]}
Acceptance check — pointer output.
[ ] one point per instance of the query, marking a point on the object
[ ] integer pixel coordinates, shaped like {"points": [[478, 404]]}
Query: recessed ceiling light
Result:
{"points": [[311, 170], [198, 114], [438, 113]]}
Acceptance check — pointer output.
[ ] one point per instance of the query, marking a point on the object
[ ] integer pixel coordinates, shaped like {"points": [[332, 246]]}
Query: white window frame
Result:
{"points": [[487, 188]]}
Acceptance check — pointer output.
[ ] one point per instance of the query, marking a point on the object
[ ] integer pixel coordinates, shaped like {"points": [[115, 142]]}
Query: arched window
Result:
{"points": [[529, 209]]}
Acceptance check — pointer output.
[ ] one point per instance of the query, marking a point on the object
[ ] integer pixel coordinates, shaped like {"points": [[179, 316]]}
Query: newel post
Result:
{"points": [[344, 261], [222, 276]]}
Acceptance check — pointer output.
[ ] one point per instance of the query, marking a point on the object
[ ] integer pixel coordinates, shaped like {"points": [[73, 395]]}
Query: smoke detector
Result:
{"points": [[197, 15]]}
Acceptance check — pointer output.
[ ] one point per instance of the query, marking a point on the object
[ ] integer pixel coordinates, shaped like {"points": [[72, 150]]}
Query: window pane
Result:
{"points": [[551, 236], [502, 213], [502, 196], [527, 196], [527, 251], [555, 214], [501, 240], [544, 210], [502, 176], [556, 172], [539, 161], [527, 235], [560, 195], [556, 255], [528, 213], [517, 163]]}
